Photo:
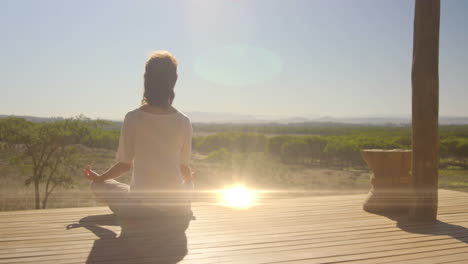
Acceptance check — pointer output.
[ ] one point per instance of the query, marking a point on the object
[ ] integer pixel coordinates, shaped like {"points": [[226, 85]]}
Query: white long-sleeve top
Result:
{"points": [[156, 144]]}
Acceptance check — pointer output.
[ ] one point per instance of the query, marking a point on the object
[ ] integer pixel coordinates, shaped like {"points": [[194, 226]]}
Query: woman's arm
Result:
{"points": [[113, 172], [186, 153]]}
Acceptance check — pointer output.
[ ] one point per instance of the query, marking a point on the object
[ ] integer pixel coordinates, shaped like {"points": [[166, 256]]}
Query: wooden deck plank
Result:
{"points": [[266, 245], [288, 230], [215, 233]]}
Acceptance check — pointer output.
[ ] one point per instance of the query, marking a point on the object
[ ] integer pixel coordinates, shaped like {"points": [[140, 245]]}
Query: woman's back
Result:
{"points": [[158, 144]]}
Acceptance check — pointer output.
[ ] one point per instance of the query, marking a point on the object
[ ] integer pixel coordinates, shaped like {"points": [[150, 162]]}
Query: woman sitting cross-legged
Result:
{"points": [[156, 141]]}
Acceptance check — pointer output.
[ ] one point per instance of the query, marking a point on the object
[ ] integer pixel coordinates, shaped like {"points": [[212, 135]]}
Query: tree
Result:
{"points": [[343, 149], [296, 150], [462, 150], [214, 142], [249, 142], [219, 155], [317, 145], [275, 143], [50, 148]]}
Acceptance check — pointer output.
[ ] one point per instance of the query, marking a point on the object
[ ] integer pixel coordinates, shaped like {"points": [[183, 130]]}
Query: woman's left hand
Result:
{"points": [[191, 177], [187, 173]]}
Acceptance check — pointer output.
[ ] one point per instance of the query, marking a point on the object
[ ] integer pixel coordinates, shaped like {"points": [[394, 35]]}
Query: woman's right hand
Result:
{"points": [[90, 174]]}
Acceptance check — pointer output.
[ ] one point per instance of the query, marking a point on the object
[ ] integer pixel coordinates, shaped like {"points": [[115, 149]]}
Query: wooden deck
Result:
{"points": [[326, 229]]}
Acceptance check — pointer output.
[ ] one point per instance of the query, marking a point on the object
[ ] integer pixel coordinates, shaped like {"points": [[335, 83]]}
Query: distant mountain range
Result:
{"points": [[208, 117], [35, 118], [211, 117]]}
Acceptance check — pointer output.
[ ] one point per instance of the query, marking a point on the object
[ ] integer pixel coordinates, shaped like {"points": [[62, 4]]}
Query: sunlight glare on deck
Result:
{"points": [[238, 197]]}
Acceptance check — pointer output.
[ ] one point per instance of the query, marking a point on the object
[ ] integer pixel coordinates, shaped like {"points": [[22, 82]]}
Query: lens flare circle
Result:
{"points": [[238, 197]]}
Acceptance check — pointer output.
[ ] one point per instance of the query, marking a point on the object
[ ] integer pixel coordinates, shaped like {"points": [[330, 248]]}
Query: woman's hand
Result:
{"points": [[187, 173], [90, 174]]}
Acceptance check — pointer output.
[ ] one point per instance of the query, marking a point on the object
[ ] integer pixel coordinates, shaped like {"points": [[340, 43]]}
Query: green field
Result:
{"points": [[454, 178], [297, 159]]}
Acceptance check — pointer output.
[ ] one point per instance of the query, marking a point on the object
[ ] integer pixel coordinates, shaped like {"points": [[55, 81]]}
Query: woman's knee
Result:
{"points": [[109, 186], [96, 186]]}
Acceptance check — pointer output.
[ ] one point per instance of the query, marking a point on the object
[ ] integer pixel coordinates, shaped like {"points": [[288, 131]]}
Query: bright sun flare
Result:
{"points": [[238, 197]]}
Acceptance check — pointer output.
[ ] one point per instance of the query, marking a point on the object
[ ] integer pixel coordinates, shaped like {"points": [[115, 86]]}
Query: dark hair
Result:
{"points": [[160, 79]]}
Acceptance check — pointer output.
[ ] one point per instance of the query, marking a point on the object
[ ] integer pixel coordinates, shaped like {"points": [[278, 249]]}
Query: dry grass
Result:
{"points": [[254, 170]]}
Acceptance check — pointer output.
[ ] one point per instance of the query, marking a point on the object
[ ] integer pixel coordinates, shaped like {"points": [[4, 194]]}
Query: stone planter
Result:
{"points": [[391, 181]]}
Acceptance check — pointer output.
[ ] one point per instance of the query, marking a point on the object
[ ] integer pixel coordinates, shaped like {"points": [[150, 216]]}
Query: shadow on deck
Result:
{"points": [[138, 239]]}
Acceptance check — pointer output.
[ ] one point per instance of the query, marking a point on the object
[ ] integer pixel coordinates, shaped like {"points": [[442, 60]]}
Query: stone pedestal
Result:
{"points": [[391, 181]]}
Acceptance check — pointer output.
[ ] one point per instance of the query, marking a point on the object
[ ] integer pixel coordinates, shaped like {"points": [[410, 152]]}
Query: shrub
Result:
{"points": [[219, 155]]}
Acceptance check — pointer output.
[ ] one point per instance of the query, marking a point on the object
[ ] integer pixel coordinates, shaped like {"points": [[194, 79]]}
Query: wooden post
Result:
{"points": [[425, 107]]}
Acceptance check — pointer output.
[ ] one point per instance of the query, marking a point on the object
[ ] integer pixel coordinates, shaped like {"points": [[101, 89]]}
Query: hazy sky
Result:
{"points": [[265, 57]]}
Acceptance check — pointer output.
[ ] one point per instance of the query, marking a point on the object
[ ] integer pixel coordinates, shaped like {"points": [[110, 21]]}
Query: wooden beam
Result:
{"points": [[425, 110]]}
